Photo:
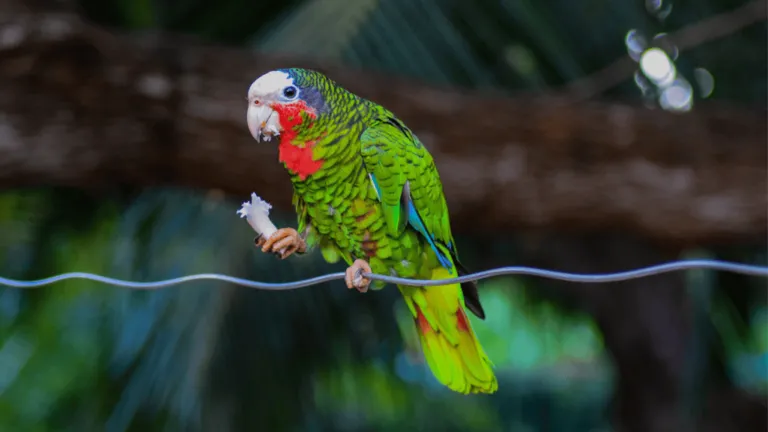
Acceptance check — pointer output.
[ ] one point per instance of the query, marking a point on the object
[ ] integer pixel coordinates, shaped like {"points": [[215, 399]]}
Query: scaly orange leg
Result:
{"points": [[354, 278]]}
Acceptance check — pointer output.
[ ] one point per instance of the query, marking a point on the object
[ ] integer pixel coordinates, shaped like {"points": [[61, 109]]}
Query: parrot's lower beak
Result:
{"points": [[263, 122]]}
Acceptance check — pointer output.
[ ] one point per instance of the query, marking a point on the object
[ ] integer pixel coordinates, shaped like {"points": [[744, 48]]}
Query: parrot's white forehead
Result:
{"points": [[269, 83]]}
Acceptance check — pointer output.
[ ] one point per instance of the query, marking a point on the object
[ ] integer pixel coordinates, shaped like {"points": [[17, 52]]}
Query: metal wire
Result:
{"points": [[725, 266]]}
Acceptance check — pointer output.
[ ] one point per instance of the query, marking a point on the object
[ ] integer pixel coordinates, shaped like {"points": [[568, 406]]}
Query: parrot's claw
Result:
{"points": [[282, 243], [354, 276]]}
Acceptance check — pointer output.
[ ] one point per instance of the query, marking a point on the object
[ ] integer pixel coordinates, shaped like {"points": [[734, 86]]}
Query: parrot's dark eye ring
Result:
{"points": [[290, 92]]}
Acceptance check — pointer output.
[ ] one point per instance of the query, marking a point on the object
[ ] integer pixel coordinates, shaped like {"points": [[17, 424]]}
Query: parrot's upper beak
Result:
{"points": [[263, 121]]}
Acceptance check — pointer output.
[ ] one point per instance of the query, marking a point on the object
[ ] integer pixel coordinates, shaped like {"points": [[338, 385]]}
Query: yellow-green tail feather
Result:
{"points": [[450, 346]]}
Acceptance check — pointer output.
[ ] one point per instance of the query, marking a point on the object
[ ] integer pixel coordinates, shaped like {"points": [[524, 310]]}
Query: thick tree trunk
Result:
{"points": [[87, 108]]}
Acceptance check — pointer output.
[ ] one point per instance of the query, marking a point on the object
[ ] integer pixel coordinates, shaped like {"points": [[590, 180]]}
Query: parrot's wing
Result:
{"points": [[407, 183]]}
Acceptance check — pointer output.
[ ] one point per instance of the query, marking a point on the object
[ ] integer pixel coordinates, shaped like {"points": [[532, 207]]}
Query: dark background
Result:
{"points": [[124, 152]]}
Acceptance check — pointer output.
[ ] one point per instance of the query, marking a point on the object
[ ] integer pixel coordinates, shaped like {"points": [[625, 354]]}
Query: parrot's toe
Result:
{"points": [[283, 243], [259, 241], [354, 276]]}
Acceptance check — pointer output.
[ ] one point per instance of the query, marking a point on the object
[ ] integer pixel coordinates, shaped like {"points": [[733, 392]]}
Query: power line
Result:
{"points": [[750, 270]]}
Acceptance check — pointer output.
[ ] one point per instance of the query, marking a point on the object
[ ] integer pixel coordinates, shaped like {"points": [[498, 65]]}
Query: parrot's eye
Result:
{"points": [[290, 92]]}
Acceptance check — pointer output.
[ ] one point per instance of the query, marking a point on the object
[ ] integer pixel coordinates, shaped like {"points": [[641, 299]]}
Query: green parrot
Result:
{"points": [[366, 190]]}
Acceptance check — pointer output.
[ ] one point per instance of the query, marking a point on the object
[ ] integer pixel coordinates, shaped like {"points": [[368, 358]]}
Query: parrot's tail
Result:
{"points": [[450, 346]]}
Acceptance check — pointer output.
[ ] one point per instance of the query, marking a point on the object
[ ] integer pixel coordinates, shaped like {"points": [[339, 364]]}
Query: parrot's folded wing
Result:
{"points": [[408, 185]]}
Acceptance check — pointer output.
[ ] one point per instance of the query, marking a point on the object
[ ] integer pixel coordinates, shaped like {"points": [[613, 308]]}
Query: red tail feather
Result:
{"points": [[462, 322], [421, 320]]}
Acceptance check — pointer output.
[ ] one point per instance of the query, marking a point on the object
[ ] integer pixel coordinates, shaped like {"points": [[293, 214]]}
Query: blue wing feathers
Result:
{"points": [[415, 221]]}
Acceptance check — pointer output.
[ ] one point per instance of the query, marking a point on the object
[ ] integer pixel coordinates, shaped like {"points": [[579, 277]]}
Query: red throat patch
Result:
{"points": [[297, 156]]}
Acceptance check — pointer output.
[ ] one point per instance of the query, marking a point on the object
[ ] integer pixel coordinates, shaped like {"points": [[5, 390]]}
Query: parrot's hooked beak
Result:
{"points": [[263, 121]]}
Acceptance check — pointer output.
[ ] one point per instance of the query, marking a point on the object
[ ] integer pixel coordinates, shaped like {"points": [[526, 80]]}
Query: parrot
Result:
{"points": [[367, 191]]}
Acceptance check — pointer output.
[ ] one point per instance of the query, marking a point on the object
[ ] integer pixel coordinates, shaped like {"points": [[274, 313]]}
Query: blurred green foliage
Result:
{"points": [[80, 356], [84, 354]]}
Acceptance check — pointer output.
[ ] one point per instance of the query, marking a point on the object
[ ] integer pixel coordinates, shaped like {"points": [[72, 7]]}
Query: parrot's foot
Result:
{"points": [[354, 276], [283, 243]]}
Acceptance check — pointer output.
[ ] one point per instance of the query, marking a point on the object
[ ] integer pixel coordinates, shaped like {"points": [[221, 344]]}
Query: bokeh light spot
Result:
{"points": [[657, 66]]}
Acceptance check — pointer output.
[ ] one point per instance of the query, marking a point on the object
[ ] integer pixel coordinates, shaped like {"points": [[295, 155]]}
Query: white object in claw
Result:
{"points": [[256, 213]]}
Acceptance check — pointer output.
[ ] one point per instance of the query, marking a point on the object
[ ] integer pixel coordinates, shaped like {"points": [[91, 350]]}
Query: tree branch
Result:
{"points": [[83, 107], [704, 31]]}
